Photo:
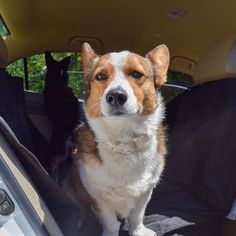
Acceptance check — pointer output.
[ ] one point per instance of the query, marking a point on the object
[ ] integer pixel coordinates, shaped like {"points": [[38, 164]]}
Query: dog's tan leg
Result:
{"points": [[136, 227], [108, 219]]}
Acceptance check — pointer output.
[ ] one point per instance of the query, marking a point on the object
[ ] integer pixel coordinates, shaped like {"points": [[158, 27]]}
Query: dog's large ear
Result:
{"points": [[48, 58], [160, 59], [88, 55], [65, 62]]}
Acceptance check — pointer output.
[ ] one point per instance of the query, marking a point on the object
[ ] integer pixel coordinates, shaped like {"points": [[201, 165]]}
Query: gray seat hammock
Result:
{"points": [[198, 187]]}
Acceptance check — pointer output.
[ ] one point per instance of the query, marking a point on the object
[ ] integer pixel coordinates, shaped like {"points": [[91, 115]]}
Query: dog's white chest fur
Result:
{"points": [[130, 162]]}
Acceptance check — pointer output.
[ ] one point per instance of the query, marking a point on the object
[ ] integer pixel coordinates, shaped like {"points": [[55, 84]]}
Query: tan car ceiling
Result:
{"points": [[59, 25]]}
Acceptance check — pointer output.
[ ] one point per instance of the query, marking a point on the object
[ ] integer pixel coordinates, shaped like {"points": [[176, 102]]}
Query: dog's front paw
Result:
{"points": [[141, 230]]}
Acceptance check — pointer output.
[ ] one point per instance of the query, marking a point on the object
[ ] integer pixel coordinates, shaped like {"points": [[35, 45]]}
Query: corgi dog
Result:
{"points": [[121, 148]]}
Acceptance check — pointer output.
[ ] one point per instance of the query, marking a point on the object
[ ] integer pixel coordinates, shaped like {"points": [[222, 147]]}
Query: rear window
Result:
{"points": [[36, 72], [176, 78], [3, 28]]}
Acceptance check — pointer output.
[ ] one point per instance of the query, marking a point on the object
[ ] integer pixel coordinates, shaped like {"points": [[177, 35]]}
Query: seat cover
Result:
{"points": [[199, 182]]}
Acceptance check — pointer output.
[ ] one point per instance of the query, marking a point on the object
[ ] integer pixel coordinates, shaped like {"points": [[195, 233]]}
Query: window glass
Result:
{"points": [[36, 72], [178, 78], [3, 28], [16, 68]]}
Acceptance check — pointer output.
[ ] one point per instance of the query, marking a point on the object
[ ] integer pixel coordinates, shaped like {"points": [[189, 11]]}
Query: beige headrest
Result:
{"points": [[3, 53], [218, 62]]}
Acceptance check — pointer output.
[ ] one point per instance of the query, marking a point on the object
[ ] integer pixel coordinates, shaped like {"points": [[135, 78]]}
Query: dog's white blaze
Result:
{"points": [[118, 60]]}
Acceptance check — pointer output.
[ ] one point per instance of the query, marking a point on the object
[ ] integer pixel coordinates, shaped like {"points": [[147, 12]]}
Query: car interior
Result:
{"points": [[197, 195]]}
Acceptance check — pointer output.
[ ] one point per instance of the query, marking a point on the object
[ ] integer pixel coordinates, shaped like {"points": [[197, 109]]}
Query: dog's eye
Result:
{"points": [[101, 76], [136, 74]]}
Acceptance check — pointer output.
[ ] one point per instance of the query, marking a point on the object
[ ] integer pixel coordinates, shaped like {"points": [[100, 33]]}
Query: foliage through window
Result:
{"points": [[36, 72], [3, 28]]}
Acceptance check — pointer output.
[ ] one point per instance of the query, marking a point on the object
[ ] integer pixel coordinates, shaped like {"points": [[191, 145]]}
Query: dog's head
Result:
{"points": [[56, 71], [123, 83]]}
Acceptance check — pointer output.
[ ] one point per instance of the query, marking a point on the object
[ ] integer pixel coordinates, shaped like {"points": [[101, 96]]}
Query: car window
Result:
{"points": [[36, 72], [177, 83], [3, 28]]}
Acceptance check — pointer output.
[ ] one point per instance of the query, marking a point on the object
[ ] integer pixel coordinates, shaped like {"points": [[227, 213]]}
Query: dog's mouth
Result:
{"points": [[117, 113]]}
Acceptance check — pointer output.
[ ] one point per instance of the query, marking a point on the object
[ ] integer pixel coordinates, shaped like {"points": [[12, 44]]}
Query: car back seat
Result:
{"points": [[199, 182], [24, 141], [72, 219], [13, 111]]}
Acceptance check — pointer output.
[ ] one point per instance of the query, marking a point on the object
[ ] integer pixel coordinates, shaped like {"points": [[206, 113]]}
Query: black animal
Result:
{"points": [[62, 108]]}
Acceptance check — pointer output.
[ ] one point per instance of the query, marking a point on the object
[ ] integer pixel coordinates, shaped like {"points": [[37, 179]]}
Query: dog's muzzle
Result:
{"points": [[116, 98]]}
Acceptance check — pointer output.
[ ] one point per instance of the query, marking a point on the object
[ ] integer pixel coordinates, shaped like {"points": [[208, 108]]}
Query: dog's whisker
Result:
{"points": [[93, 105]]}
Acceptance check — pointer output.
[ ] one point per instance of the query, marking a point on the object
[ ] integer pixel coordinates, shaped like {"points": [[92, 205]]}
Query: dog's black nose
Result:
{"points": [[116, 97]]}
